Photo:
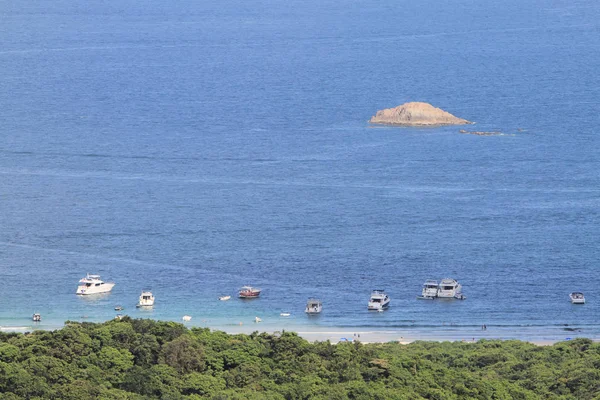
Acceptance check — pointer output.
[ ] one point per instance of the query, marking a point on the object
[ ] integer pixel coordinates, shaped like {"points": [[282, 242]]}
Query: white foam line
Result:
{"points": [[375, 39], [349, 331], [96, 256], [174, 179], [116, 259], [66, 49], [136, 262]]}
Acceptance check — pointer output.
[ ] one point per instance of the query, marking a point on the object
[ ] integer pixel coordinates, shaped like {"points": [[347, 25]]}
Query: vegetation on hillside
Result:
{"points": [[145, 359]]}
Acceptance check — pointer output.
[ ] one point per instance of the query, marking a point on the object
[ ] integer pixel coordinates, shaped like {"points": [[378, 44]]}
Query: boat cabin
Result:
{"points": [[313, 306]]}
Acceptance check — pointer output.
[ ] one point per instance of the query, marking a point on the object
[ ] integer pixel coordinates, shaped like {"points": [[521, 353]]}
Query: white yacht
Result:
{"points": [[429, 291], [577, 298], [146, 299], [379, 300], [313, 306], [449, 289], [92, 284]]}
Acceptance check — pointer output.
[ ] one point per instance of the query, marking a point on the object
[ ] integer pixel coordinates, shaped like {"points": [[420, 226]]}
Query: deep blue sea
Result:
{"points": [[195, 147]]}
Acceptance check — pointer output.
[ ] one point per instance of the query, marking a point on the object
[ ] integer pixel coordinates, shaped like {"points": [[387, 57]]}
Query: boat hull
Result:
{"points": [[313, 307], [252, 295], [104, 288], [448, 294], [313, 310], [577, 298], [449, 289], [378, 306]]}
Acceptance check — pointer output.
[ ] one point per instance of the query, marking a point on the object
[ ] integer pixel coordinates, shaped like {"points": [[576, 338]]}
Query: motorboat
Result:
{"points": [[313, 307], [249, 292], [285, 314], [224, 298], [379, 300], [92, 284], [449, 289], [429, 291], [577, 298], [146, 299], [36, 317], [186, 318], [119, 317], [118, 308], [257, 319]]}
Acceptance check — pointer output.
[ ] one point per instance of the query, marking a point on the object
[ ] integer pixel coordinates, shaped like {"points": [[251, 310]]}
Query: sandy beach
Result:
{"points": [[540, 335]]}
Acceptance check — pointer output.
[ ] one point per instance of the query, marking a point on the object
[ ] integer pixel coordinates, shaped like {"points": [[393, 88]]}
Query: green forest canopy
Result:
{"points": [[145, 359]]}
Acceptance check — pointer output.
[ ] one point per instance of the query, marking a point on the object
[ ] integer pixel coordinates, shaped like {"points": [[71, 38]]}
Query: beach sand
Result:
{"points": [[535, 334]]}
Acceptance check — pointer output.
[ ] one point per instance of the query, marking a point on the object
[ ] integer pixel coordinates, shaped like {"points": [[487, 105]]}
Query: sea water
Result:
{"points": [[195, 147]]}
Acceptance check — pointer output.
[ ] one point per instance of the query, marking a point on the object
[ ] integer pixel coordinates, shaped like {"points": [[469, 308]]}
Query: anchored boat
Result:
{"points": [[313, 307], [450, 288], [92, 284], [577, 298], [146, 299], [429, 291], [379, 300], [249, 292]]}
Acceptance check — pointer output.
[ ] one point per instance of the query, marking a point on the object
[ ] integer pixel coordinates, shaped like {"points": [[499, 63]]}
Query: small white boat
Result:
{"points": [[379, 300], [118, 308], [285, 314], [186, 318], [429, 291], [36, 317], [256, 319], [224, 298], [313, 307], [146, 299], [92, 284], [449, 289], [119, 317], [577, 298]]}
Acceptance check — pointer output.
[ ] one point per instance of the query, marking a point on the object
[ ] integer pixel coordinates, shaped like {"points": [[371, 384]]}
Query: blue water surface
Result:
{"points": [[195, 147]]}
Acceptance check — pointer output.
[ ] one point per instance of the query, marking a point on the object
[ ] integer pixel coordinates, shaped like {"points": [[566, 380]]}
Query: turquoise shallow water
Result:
{"points": [[196, 148]]}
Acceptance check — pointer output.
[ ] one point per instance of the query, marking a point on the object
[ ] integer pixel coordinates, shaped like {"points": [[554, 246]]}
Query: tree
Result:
{"points": [[184, 354]]}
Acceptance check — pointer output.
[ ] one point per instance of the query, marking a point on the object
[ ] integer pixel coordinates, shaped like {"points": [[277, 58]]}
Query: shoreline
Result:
{"points": [[541, 336]]}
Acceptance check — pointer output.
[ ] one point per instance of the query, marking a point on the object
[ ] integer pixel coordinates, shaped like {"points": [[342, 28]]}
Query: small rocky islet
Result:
{"points": [[419, 114], [416, 114]]}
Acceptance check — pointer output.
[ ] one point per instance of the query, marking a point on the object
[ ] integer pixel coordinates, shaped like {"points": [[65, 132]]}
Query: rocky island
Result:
{"points": [[416, 114]]}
